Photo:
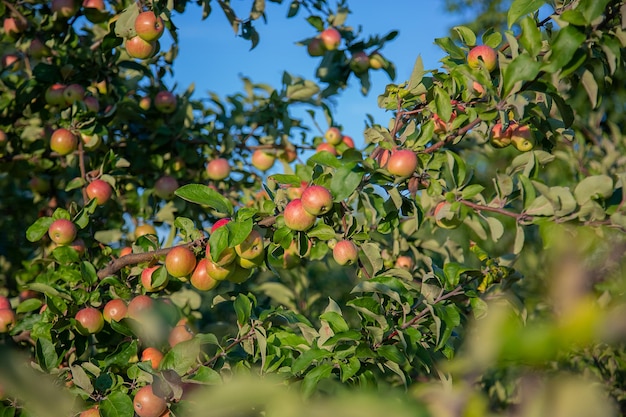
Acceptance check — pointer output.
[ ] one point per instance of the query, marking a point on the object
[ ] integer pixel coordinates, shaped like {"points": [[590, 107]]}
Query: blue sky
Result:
{"points": [[213, 58]]}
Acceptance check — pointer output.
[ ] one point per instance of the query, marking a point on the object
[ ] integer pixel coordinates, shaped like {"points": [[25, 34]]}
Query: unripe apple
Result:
{"points": [[90, 412], [405, 262], [331, 38], [147, 404], [200, 278], [165, 102], [521, 137], [218, 169], [114, 310], [317, 200], [146, 279], [500, 138], [54, 95], [144, 229], [13, 26], [252, 246], [99, 190], [217, 272], [345, 252], [333, 136], [89, 320], [92, 104], [139, 306], [152, 355], [138, 48], [73, 93], [483, 55], [63, 141], [165, 186], [445, 217], [227, 256], [149, 26], [326, 147], [7, 320], [377, 61], [263, 160], [316, 47], [62, 232], [219, 223], [296, 217], [179, 334], [360, 62], [402, 163], [180, 262], [64, 8], [145, 103]]}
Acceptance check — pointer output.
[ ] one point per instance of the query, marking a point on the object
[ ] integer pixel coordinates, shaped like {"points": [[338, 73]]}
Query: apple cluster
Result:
{"points": [[144, 43], [520, 136], [335, 143], [7, 315], [301, 213]]}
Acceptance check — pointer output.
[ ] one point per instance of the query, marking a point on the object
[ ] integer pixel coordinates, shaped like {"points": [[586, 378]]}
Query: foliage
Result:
{"points": [[490, 281]]}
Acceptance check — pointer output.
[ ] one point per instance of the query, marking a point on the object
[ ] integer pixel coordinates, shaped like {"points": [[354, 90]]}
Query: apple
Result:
{"points": [[296, 217], [7, 320], [402, 163], [138, 48], [146, 279], [62, 232], [445, 217], [521, 137], [152, 355], [145, 103], [149, 26], [90, 412], [126, 250], [165, 102], [138, 306], [331, 38], [316, 47], [289, 154], [10, 60], [179, 334], [345, 252], [377, 61], [440, 125], [94, 4], [317, 200], [37, 49], [252, 246], [360, 62], [217, 272], [79, 246], [28, 294], [89, 320], [239, 275], [13, 26], [73, 93], [296, 192], [200, 278], [99, 190], [478, 88], [263, 160], [500, 137], [92, 104], [227, 256], [348, 141], [4, 302], [218, 169], [91, 142], [219, 223], [114, 310], [147, 404], [144, 229], [250, 263], [483, 55], [180, 262], [405, 262], [326, 147], [64, 8], [63, 141], [333, 136], [54, 95], [165, 186], [3, 136]]}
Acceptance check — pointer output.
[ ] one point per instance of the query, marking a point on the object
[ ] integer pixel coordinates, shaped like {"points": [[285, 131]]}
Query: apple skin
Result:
{"points": [[217, 272], [345, 252], [478, 88], [7, 320], [54, 95], [94, 4], [144, 229], [138, 306], [13, 26], [377, 61], [62, 232], [316, 47], [73, 93], [441, 211], [317, 200], [4, 302], [138, 48], [262, 160], [146, 279], [153, 355], [333, 136], [252, 246], [296, 192], [89, 320], [146, 404], [219, 223], [348, 141], [180, 262], [218, 169], [179, 334], [331, 38], [99, 190], [296, 217], [79, 246], [326, 147], [165, 102], [500, 138], [402, 163], [405, 262], [440, 125], [64, 8], [92, 104], [483, 55], [360, 62], [521, 138], [114, 310], [165, 186], [289, 154], [63, 141], [200, 278], [149, 26], [90, 412]]}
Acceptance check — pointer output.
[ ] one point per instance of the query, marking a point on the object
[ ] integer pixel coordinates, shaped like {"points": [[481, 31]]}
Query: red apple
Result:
{"points": [[479, 90], [73, 93], [37, 49], [500, 137], [165, 102], [64, 8], [263, 160], [89, 320], [126, 250], [345, 252], [200, 278], [326, 147], [99, 190], [149, 26], [114, 310], [4, 302], [54, 95], [145, 103], [92, 104], [405, 262], [62, 232], [483, 55], [138, 48], [348, 141], [333, 136], [316, 47], [63, 141], [289, 154], [296, 192], [331, 38], [180, 262], [296, 217], [360, 62], [218, 169], [9, 60], [521, 137], [138, 306], [317, 200], [252, 247], [144, 229], [152, 355], [147, 404], [146, 279], [402, 163], [94, 4], [7, 320], [179, 334], [165, 186], [13, 26], [219, 223], [90, 412]]}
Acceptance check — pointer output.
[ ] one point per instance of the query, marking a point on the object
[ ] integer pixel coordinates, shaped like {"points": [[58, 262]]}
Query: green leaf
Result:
{"points": [[350, 368], [203, 195], [442, 101], [392, 353], [117, 404], [496, 228], [65, 255], [243, 308], [345, 180], [591, 87], [336, 321], [453, 271], [531, 36], [479, 307], [46, 354], [563, 48], [316, 22], [371, 258], [321, 231], [592, 9], [305, 359], [302, 91], [324, 158], [38, 229], [417, 74], [521, 8], [519, 239], [28, 305], [182, 357], [286, 179], [471, 191], [467, 36], [206, 375], [312, 378], [121, 356], [80, 378], [592, 188], [522, 68]]}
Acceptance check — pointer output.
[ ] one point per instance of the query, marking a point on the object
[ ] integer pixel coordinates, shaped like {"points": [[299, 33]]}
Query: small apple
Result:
{"points": [[317, 200], [91, 142], [165, 102], [145, 103], [63, 141], [54, 95], [180, 262], [165, 186], [73, 93], [149, 26], [37, 49], [500, 137], [218, 169], [147, 404], [219, 223], [478, 88], [483, 55], [179, 334], [64, 8], [94, 4], [90, 412], [377, 61], [262, 160], [445, 217], [139, 306], [10, 60], [99, 190], [345, 252], [7, 320], [326, 147], [348, 141], [441, 126], [144, 229], [333, 136], [146, 279], [360, 62], [227, 256], [89, 320], [296, 217], [250, 263], [126, 250], [114, 310], [92, 104], [219, 273], [405, 262], [522, 137], [252, 247], [138, 48], [152, 355], [62, 232], [402, 163], [331, 38], [200, 278], [316, 47], [13, 26]]}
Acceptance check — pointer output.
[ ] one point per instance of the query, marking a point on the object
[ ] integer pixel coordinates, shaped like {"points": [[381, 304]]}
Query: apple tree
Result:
{"points": [[165, 254]]}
